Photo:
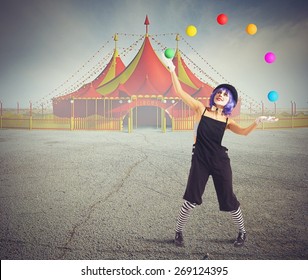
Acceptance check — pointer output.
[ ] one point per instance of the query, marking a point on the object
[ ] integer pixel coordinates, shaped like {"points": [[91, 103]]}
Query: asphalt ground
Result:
{"points": [[113, 195]]}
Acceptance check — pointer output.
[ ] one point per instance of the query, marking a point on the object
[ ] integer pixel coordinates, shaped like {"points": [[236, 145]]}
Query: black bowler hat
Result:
{"points": [[229, 87]]}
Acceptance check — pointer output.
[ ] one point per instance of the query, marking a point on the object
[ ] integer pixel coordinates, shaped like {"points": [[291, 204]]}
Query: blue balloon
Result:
{"points": [[272, 96]]}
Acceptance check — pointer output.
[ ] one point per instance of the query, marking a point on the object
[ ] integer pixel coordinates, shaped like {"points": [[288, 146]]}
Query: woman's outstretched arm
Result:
{"points": [[236, 128]]}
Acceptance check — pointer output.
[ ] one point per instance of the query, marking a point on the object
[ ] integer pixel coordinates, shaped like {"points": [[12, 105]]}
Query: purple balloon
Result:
{"points": [[270, 57]]}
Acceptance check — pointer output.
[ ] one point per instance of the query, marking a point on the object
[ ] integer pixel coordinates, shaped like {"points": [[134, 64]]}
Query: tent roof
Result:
{"points": [[146, 74], [119, 92], [146, 67], [90, 93], [147, 87], [114, 67], [184, 73]]}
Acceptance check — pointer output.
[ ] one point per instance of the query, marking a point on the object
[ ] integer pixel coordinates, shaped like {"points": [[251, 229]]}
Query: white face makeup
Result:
{"points": [[221, 98]]}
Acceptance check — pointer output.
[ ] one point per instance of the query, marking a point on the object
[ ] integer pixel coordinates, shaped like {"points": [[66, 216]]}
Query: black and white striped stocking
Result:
{"points": [[238, 219], [184, 215]]}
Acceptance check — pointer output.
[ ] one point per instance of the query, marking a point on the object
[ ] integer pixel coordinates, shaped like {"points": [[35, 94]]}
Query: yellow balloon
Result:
{"points": [[251, 29], [191, 30]]}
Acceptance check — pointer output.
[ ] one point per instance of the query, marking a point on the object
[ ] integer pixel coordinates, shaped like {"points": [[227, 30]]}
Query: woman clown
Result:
{"points": [[209, 157]]}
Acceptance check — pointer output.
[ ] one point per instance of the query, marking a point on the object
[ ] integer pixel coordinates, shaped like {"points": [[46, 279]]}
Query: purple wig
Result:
{"points": [[231, 103]]}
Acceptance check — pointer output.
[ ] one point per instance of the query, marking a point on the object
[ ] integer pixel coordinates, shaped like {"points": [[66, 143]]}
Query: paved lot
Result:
{"points": [[113, 195]]}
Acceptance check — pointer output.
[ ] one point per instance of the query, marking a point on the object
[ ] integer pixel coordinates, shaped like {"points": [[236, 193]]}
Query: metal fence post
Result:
{"points": [[72, 114], [1, 115], [30, 117]]}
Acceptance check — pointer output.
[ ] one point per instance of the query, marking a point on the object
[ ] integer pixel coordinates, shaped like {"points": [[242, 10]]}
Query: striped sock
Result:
{"points": [[238, 219], [184, 215]]}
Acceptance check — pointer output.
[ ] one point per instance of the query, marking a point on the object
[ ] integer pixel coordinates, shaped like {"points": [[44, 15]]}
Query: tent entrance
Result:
{"points": [[147, 117]]}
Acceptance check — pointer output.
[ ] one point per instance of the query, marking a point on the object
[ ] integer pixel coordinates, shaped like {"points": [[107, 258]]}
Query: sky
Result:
{"points": [[48, 47]]}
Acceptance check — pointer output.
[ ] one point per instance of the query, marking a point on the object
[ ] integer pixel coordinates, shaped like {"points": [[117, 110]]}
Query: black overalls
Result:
{"points": [[211, 158]]}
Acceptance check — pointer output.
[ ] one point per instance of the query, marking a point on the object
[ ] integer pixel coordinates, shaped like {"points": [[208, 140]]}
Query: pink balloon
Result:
{"points": [[270, 57]]}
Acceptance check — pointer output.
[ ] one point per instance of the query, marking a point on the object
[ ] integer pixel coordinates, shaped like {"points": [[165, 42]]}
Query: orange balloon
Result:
{"points": [[251, 29]]}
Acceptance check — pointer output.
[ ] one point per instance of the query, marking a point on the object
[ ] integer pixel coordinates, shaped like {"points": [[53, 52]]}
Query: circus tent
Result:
{"points": [[144, 85]]}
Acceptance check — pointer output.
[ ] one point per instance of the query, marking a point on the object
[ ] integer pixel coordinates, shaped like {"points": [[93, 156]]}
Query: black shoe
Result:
{"points": [[239, 242], [179, 240]]}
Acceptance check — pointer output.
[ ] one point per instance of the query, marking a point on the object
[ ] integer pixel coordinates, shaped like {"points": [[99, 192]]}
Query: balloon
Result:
{"points": [[270, 57], [251, 29], [169, 53], [272, 96], [222, 19], [191, 30]]}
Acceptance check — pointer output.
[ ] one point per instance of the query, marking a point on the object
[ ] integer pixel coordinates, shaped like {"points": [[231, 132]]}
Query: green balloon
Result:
{"points": [[169, 53]]}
